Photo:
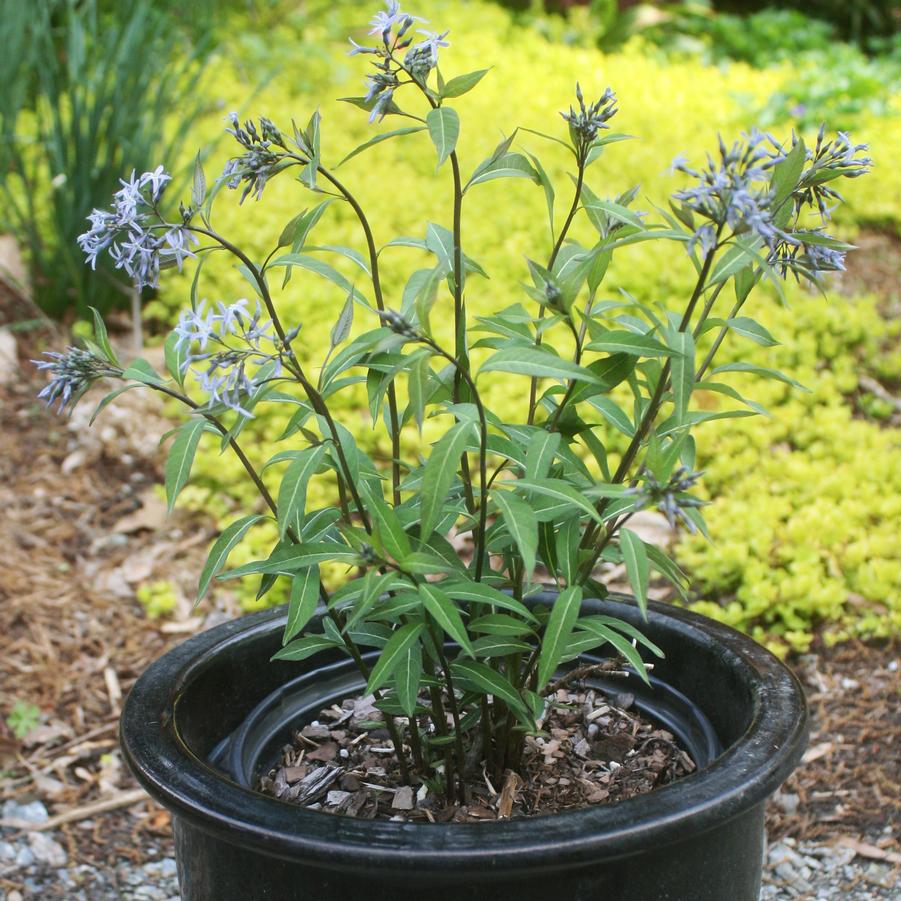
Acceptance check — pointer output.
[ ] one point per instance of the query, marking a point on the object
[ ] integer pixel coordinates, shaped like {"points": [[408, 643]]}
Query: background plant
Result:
{"points": [[88, 89], [591, 367]]}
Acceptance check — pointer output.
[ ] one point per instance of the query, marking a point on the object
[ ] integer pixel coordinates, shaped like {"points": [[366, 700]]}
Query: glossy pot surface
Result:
{"points": [[207, 717]]}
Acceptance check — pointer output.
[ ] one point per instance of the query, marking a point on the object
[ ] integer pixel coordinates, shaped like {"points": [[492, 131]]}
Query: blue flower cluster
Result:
{"points": [[392, 26], [72, 373], [132, 231], [735, 193], [585, 124], [227, 379], [259, 162]]}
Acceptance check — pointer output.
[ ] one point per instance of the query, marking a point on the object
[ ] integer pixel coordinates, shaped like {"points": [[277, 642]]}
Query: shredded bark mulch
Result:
{"points": [[592, 749]]}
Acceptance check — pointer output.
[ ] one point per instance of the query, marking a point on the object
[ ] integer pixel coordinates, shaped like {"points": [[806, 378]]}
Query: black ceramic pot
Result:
{"points": [[208, 716]]}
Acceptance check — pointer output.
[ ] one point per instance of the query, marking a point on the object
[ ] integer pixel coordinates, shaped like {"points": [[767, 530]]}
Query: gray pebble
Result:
{"points": [[34, 812], [46, 850]]}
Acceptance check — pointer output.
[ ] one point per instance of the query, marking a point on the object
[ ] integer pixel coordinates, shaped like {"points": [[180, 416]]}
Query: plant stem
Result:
{"points": [[394, 420], [647, 420], [483, 455], [577, 197]]}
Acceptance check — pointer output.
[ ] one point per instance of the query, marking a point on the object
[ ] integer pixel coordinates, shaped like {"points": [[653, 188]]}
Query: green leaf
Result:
{"points": [[388, 527], [292, 493], [548, 187], [393, 655], [175, 358], [683, 372], [623, 342], [747, 328], [558, 490], [522, 526], [407, 679], [462, 84], [621, 625], [616, 416], [498, 646], [286, 561], [540, 453], [198, 193], [636, 559], [305, 647], [759, 370], [101, 337], [482, 678], [508, 165], [787, 173], [444, 611], [439, 474], [615, 211], [220, 550], [305, 261], [397, 133], [303, 601], [480, 593], [500, 624], [296, 232], [181, 458], [341, 328], [622, 645], [559, 627], [141, 371], [444, 129], [108, 399], [535, 361]]}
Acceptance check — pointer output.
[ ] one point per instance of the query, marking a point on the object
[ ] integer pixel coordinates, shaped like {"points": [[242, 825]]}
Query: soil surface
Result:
{"points": [[593, 749], [81, 530]]}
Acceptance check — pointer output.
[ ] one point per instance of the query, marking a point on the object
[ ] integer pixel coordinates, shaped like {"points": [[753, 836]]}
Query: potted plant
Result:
{"points": [[459, 662]]}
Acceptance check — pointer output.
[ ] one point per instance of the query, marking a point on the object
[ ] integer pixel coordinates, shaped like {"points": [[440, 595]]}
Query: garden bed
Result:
{"points": [[832, 828]]}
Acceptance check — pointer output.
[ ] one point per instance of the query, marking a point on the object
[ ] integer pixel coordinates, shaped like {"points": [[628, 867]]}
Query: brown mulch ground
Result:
{"points": [[597, 749], [73, 638]]}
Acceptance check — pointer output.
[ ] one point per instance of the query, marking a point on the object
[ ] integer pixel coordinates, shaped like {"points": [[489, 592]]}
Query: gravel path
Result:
{"points": [[40, 868]]}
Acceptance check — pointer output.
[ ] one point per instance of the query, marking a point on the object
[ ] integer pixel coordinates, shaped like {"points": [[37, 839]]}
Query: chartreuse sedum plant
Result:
{"points": [[457, 659]]}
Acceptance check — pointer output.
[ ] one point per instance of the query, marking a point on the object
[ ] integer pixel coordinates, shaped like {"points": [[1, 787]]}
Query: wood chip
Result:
{"points": [[870, 852]]}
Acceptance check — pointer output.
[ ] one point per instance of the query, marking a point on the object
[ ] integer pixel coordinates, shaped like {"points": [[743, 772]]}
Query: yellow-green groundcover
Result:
{"points": [[806, 504]]}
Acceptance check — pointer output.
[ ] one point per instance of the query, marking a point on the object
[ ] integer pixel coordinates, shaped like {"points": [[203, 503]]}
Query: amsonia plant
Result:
{"points": [[457, 660]]}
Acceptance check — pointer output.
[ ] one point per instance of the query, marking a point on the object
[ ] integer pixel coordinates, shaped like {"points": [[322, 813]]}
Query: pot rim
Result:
{"points": [[747, 772]]}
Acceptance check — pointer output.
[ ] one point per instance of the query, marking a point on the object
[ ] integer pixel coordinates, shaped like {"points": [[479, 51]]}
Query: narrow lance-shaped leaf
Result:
{"points": [[444, 611], [540, 453], [560, 624], [102, 338], [286, 561], [407, 679], [303, 601], [622, 645], [522, 526], [483, 678], [534, 361], [292, 493], [683, 372], [302, 648], [393, 655], [220, 550], [444, 129], [181, 458], [341, 328], [396, 133], [439, 473], [461, 84], [636, 559]]}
